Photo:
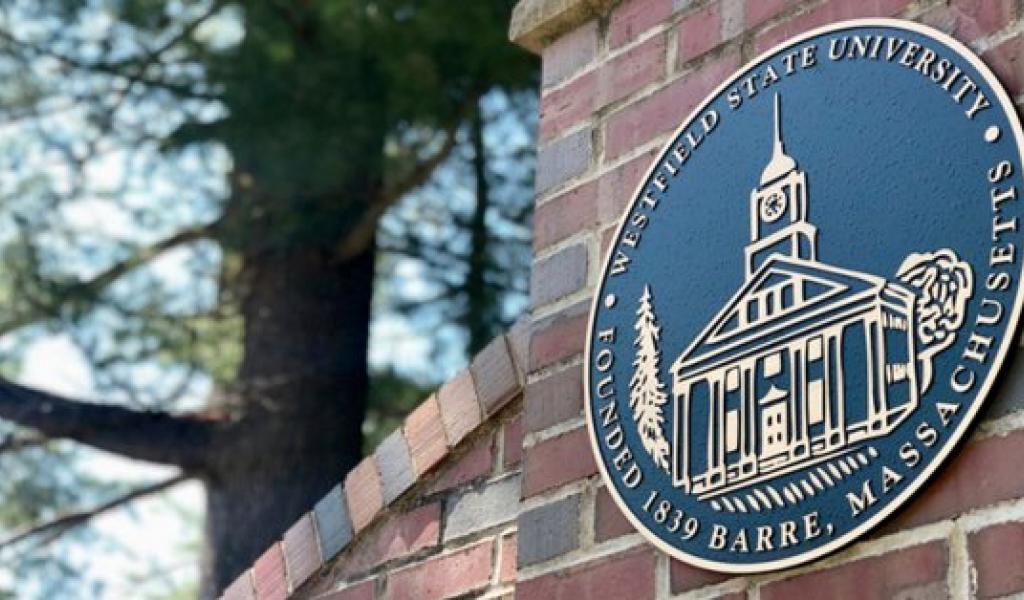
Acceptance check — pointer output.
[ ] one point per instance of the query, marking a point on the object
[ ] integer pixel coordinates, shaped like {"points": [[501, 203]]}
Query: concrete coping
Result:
{"points": [[494, 377], [536, 23]]}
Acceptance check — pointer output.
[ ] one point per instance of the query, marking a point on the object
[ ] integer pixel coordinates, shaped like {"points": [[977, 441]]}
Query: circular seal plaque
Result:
{"points": [[809, 298]]}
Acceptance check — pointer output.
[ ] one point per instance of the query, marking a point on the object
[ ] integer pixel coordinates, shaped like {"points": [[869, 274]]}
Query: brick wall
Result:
{"points": [[618, 78], [430, 514], [490, 490]]}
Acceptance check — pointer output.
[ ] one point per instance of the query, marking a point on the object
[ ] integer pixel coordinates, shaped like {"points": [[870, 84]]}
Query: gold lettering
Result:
{"points": [[889, 479], [718, 534], [960, 386], [859, 504], [740, 543], [977, 347], [787, 534], [764, 538], [946, 411]]}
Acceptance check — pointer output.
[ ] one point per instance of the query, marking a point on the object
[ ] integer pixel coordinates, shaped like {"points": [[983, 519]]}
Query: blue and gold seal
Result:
{"points": [[809, 298]]}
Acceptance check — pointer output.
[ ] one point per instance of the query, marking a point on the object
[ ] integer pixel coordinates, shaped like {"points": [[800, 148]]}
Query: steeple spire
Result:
{"points": [[780, 163], [777, 147]]}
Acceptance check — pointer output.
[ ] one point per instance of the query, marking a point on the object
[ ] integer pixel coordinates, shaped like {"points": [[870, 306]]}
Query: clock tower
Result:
{"points": [[778, 209]]}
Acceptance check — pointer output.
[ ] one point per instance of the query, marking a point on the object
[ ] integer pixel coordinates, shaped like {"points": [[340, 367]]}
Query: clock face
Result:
{"points": [[773, 206]]}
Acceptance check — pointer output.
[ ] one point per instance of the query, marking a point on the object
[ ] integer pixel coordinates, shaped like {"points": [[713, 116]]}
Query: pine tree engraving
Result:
{"points": [[646, 391]]}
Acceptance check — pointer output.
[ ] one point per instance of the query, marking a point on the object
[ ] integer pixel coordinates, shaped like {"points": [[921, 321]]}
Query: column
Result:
{"points": [[681, 448], [869, 359], [876, 373], [748, 414], [826, 362], [716, 431], [798, 401]]}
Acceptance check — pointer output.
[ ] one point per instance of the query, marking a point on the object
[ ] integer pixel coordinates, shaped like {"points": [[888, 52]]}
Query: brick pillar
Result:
{"points": [[618, 78]]}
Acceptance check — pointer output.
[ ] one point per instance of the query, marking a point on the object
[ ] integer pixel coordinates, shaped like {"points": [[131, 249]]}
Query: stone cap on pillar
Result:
{"points": [[535, 23]]}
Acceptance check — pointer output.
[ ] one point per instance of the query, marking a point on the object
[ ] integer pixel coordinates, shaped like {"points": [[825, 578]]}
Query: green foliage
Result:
{"points": [[132, 121], [39, 484], [456, 254], [392, 397], [330, 100]]}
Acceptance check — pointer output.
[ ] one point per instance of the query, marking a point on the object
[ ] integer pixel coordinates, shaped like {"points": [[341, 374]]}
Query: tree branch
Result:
{"points": [[144, 255], [13, 442], [154, 54], [152, 436], [362, 234], [64, 523], [97, 284], [113, 70]]}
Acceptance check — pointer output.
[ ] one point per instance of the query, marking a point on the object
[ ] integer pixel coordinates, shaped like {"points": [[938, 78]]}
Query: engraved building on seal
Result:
{"points": [[805, 361]]}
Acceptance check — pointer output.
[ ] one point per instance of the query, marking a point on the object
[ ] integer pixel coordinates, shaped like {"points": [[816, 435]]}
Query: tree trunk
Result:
{"points": [[479, 298], [303, 385]]}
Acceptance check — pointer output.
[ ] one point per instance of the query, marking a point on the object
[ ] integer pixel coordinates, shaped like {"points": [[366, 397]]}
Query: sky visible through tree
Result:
{"points": [[74, 198]]}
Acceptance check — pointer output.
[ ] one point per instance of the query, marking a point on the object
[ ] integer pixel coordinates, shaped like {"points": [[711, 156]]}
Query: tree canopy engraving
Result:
{"points": [[944, 283]]}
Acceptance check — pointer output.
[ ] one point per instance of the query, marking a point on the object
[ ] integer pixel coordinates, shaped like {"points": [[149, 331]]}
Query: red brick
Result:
{"points": [[642, 121], [829, 12], [633, 17], [627, 575], [616, 188], [363, 493], [411, 532], [460, 411], [567, 106], [507, 569], [759, 11], [978, 18], [559, 337], [444, 576], [969, 20], [609, 522], [569, 53], [301, 551], [241, 588], [1006, 61], [519, 342], [997, 553], [558, 275], [554, 399], [365, 590], [425, 433], [394, 466], [563, 159], [920, 569], [700, 32], [632, 70], [474, 464], [684, 577], [978, 476], [622, 76], [513, 442], [558, 461], [589, 205], [268, 575], [564, 215], [400, 537], [495, 375], [607, 239]]}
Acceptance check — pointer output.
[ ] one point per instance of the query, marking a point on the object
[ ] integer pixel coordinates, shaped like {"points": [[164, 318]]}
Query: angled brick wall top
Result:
{"points": [[431, 513]]}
